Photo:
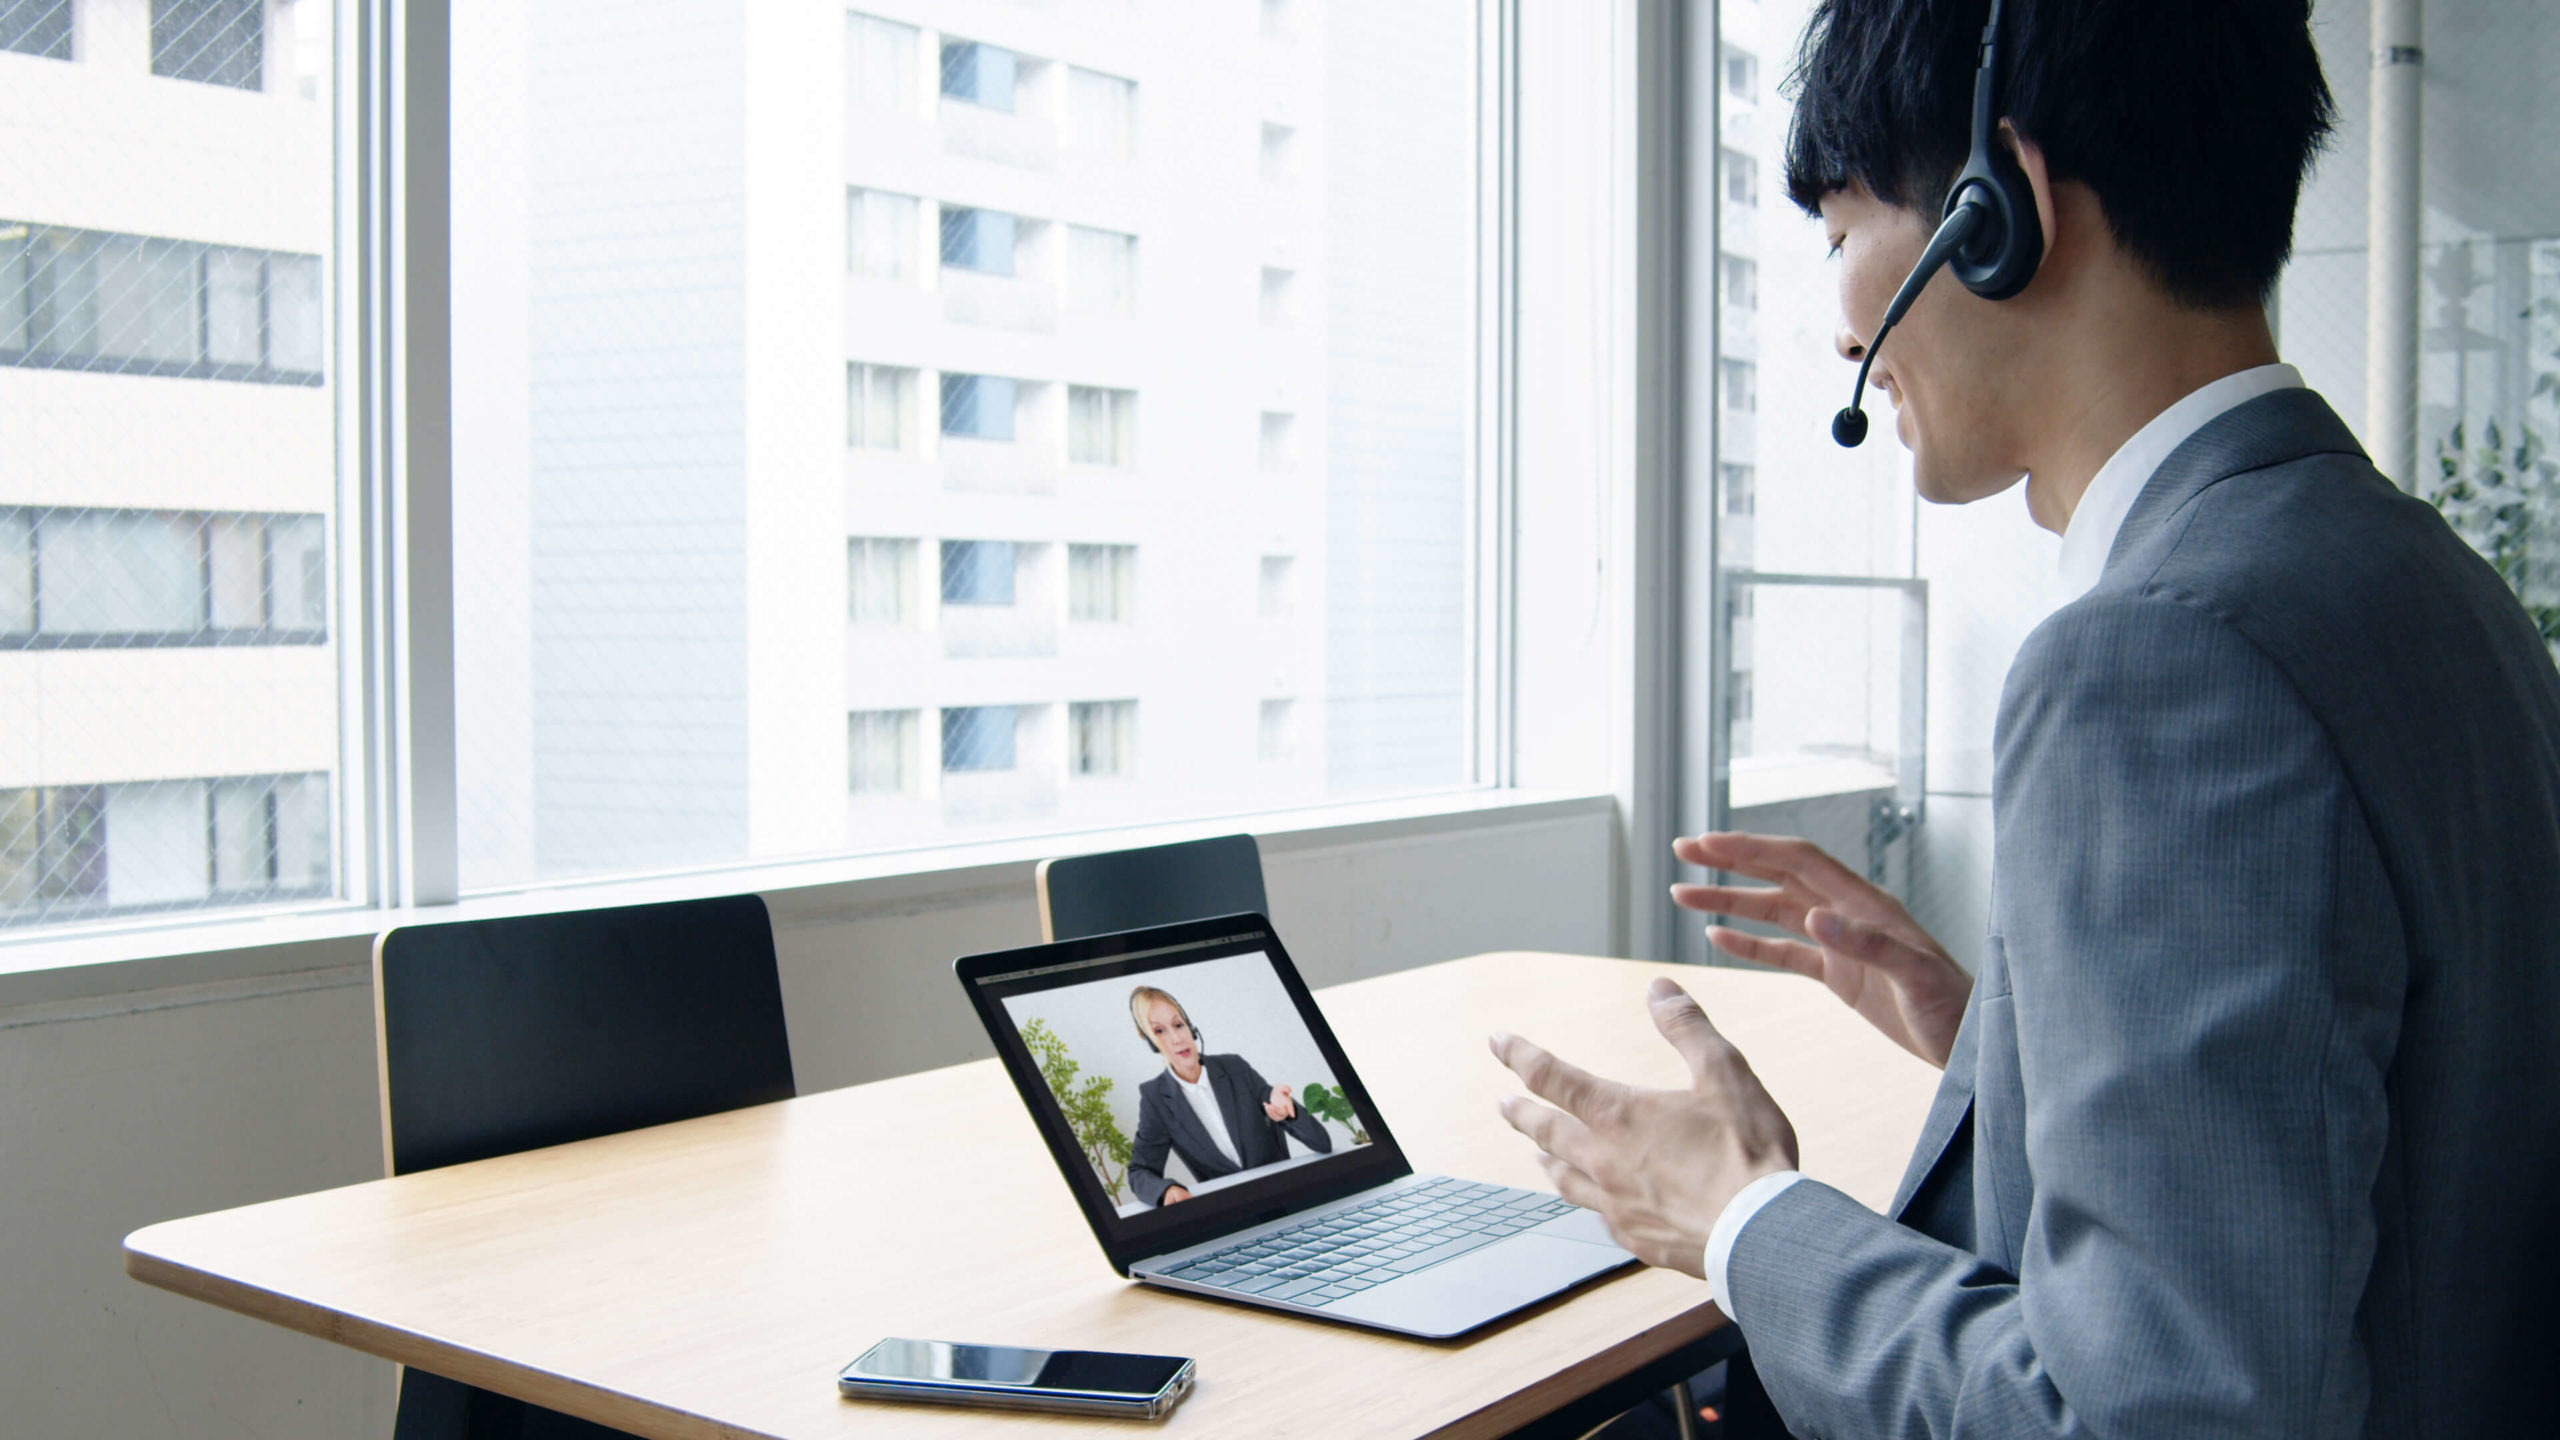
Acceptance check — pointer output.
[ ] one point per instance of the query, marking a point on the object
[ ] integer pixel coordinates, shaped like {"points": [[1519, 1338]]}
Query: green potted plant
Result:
{"points": [[2504, 500], [1326, 1103], [1087, 1107]]}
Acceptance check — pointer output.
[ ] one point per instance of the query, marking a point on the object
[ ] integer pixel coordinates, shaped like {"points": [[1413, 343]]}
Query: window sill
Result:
{"points": [[303, 948]]}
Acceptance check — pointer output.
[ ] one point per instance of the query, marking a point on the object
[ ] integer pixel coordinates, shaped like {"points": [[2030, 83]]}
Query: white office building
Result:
{"points": [[953, 419], [169, 718]]}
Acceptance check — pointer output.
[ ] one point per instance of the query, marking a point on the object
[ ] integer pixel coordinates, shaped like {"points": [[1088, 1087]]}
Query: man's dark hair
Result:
{"points": [[2194, 121]]}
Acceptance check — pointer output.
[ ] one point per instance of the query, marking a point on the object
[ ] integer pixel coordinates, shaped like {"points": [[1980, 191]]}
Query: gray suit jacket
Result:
{"points": [[2253, 1124]]}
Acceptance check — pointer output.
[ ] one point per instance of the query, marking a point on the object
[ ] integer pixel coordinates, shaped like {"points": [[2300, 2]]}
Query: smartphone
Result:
{"points": [[1006, 1377]]}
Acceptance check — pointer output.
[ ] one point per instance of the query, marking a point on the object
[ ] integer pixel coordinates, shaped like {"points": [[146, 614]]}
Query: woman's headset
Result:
{"points": [[1988, 233]]}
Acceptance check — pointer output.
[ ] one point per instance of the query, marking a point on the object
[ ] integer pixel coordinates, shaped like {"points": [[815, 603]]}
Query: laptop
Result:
{"points": [[1219, 1142]]}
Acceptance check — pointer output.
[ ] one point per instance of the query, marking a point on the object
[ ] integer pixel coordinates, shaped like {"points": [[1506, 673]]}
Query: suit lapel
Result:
{"points": [[1231, 1105], [1949, 1112]]}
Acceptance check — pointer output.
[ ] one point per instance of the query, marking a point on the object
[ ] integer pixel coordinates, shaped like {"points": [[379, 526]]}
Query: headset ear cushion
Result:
{"points": [[2001, 258]]}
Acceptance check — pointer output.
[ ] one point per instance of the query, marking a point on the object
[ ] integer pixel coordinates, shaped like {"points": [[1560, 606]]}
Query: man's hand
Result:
{"points": [[1281, 1105], [1173, 1194], [1866, 947], [1658, 1165]]}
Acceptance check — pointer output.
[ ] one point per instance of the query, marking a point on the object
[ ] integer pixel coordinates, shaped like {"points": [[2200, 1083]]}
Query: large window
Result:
{"points": [[173, 704], [1105, 285]]}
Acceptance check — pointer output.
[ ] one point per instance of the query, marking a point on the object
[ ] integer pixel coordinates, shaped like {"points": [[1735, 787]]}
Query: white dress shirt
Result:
{"points": [[2118, 483], [2085, 544], [1204, 1103]]}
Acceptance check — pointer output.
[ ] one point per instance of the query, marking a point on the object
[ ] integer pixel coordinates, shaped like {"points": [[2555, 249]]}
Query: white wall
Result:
{"points": [[124, 1106]]}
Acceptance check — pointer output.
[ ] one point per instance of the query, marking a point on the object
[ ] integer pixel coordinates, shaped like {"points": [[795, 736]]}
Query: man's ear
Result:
{"points": [[2039, 180]]}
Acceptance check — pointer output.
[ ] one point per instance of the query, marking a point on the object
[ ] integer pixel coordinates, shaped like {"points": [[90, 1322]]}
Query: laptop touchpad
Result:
{"points": [[1458, 1295]]}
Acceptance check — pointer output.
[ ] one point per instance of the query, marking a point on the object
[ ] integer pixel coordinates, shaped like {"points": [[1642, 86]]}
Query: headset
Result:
{"points": [[1988, 233]]}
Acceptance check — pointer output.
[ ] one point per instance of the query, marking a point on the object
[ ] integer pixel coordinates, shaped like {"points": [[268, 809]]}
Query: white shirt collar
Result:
{"points": [[1201, 1084], [2118, 483]]}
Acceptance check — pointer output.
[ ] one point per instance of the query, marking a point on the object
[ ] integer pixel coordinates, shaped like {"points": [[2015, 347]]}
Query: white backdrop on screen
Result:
{"points": [[1236, 1002]]}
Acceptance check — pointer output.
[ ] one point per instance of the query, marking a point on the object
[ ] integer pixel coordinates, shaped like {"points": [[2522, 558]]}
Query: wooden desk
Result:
{"points": [[709, 1278]]}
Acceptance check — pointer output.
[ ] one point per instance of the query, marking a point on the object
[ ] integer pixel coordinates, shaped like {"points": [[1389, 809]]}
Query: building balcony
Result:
{"points": [[1003, 138], [1005, 302], [980, 632], [1003, 467]]}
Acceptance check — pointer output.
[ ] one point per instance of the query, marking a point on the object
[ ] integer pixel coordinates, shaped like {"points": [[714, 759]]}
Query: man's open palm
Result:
{"points": [[1657, 1165], [1862, 943]]}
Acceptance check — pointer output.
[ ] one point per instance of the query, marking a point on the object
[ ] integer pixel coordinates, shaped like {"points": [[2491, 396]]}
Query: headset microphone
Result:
{"points": [[1990, 235], [1849, 427]]}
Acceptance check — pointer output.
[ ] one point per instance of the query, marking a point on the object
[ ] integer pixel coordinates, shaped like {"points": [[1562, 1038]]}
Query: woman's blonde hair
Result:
{"points": [[1146, 995]]}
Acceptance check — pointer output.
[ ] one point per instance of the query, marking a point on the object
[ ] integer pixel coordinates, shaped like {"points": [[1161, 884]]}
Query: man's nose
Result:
{"points": [[1851, 348]]}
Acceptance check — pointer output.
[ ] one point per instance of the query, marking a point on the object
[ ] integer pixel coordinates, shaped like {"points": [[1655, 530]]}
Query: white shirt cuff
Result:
{"points": [[1737, 1213]]}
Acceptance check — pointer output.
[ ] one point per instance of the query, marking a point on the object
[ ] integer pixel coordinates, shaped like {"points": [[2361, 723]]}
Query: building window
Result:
{"points": [[1741, 74], [1278, 737], [878, 399], [977, 407], [138, 579], [1279, 151], [133, 304], [882, 582], [978, 737], [1741, 178], [1102, 113], [980, 74], [977, 572], [1101, 425], [76, 851], [880, 234], [53, 851], [880, 62], [1741, 380], [1279, 596], [1102, 270], [1279, 441], [882, 746], [1279, 298], [212, 42], [1741, 282], [980, 240], [1102, 583], [36, 27], [1738, 482], [1105, 737]]}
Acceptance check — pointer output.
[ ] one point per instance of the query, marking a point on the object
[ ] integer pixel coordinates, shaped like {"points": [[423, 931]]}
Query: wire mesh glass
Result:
{"points": [[170, 679]]}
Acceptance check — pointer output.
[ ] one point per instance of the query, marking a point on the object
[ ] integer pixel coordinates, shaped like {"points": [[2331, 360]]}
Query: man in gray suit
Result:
{"points": [[2250, 1122]]}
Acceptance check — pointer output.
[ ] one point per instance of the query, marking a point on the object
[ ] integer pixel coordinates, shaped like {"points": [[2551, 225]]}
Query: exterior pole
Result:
{"points": [[2391, 237]]}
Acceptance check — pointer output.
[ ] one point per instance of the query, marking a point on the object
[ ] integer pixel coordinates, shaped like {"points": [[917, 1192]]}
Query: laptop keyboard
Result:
{"points": [[1348, 1251]]}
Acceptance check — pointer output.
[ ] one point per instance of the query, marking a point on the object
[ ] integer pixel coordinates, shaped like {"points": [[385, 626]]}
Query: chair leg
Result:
{"points": [[1684, 1410]]}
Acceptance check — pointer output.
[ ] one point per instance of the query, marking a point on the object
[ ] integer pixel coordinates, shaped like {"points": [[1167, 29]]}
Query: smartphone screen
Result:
{"points": [[1082, 1372]]}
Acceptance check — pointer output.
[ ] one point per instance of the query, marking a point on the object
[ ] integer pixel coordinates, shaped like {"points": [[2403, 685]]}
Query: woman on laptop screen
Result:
{"points": [[1215, 1111]]}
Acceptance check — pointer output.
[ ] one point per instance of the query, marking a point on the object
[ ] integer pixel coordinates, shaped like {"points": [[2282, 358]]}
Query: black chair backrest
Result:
{"points": [[1084, 895], [510, 1034]]}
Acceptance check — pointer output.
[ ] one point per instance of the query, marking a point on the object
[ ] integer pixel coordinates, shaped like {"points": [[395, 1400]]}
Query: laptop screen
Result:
{"points": [[1184, 1079]]}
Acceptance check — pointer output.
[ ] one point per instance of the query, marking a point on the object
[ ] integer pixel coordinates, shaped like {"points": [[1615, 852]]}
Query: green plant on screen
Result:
{"points": [[1326, 1103], [1087, 1107]]}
